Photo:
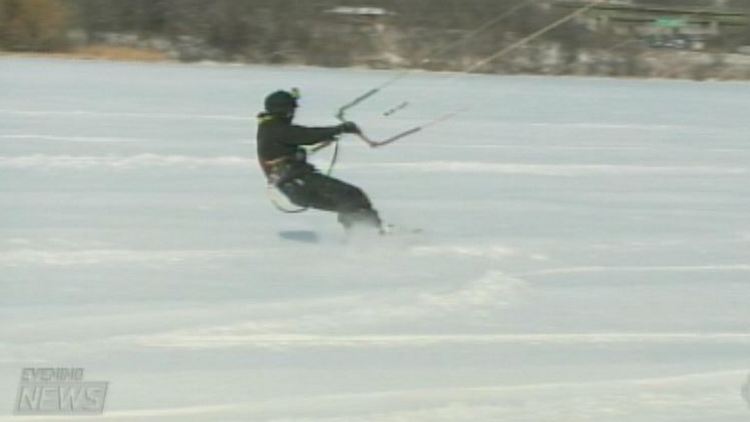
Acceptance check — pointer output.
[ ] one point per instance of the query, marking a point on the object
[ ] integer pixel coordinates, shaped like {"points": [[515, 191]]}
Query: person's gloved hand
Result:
{"points": [[349, 127]]}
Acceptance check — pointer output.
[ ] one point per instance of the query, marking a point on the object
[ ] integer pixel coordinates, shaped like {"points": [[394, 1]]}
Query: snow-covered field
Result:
{"points": [[585, 255]]}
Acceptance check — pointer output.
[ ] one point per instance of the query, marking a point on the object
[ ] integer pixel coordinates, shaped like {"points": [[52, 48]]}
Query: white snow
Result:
{"points": [[585, 255]]}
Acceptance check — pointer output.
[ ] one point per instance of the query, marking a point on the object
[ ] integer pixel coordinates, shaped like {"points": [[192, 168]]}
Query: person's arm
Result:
{"points": [[301, 135]]}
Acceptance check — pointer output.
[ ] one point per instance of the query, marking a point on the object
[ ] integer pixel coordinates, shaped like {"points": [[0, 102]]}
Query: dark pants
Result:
{"points": [[322, 192]]}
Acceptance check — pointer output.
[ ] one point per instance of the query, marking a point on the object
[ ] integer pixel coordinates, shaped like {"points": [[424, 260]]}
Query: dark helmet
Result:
{"points": [[281, 102]]}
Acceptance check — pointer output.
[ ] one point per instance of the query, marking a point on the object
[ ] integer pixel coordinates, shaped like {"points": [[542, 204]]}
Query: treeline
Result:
{"points": [[258, 30], [264, 29], [34, 25], [304, 32]]}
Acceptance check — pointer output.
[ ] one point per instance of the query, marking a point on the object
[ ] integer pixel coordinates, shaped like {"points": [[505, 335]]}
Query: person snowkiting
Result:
{"points": [[284, 161]]}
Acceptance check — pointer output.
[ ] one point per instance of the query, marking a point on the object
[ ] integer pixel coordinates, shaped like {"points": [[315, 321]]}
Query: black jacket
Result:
{"points": [[280, 143]]}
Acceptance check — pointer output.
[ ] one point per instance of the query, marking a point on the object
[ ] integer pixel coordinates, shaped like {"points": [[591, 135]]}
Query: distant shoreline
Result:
{"points": [[99, 52], [134, 55]]}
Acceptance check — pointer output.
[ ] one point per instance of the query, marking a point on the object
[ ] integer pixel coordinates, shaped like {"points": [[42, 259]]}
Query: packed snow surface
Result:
{"points": [[585, 254]]}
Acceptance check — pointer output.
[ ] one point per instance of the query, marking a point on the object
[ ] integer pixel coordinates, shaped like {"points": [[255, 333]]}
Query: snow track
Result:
{"points": [[585, 257]]}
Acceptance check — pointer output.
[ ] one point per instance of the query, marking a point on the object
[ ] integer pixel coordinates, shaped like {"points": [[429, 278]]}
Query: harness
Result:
{"points": [[279, 171]]}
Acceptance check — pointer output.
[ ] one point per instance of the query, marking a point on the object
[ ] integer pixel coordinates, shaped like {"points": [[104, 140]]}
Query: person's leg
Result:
{"points": [[305, 194], [362, 217], [322, 192]]}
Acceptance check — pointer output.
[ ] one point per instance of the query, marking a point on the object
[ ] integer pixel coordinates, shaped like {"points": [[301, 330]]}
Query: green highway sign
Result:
{"points": [[670, 22]]}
